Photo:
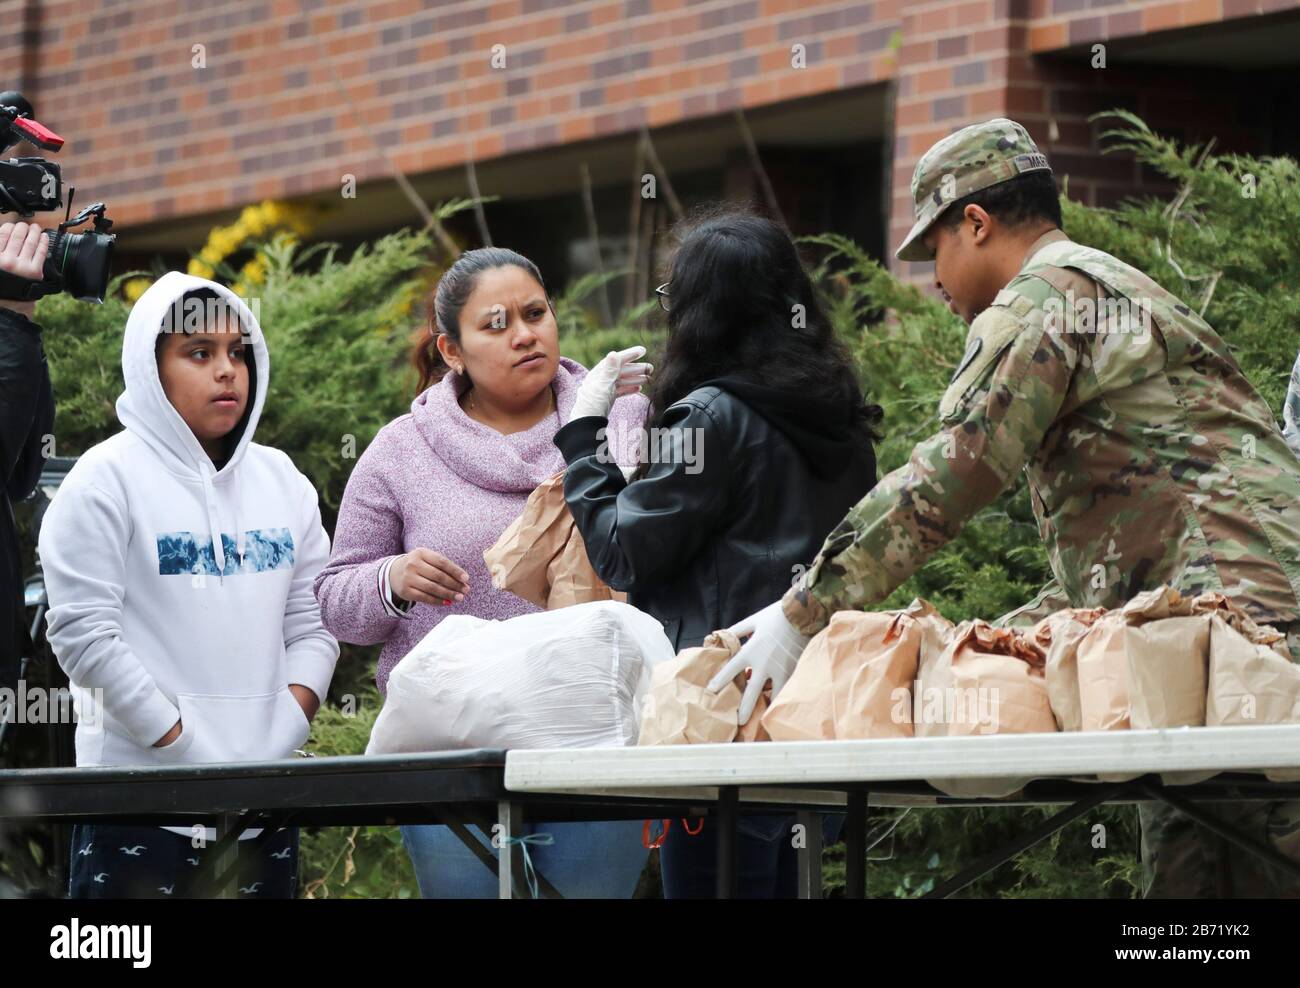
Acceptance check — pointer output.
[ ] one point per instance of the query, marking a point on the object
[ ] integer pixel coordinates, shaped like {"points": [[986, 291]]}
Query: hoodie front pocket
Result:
{"points": [[119, 749], [243, 728]]}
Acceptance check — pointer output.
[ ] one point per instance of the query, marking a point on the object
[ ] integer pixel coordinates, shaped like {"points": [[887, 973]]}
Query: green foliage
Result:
{"points": [[1228, 244], [583, 339], [83, 345], [929, 846]]}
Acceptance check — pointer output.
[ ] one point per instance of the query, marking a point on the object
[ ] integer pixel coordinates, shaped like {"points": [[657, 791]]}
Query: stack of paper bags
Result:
{"points": [[1165, 660], [680, 709], [541, 556], [854, 679]]}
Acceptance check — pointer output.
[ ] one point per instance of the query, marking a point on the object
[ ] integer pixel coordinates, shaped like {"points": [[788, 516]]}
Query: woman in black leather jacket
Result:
{"points": [[764, 443]]}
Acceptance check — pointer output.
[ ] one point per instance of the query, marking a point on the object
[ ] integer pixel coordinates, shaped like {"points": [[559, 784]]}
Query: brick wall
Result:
{"points": [[292, 91]]}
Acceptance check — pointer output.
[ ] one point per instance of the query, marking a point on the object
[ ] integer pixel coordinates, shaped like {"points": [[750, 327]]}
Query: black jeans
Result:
{"points": [[112, 861], [767, 860]]}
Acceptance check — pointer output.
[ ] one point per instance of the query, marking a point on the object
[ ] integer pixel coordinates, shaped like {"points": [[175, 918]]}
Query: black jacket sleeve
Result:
{"points": [[645, 531], [26, 404]]}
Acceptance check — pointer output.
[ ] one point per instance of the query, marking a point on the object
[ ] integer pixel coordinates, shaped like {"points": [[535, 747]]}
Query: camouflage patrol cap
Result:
{"points": [[972, 159]]}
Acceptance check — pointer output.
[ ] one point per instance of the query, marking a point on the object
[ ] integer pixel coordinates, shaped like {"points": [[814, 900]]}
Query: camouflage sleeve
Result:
{"points": [[1005, 394], [1050, 599]]}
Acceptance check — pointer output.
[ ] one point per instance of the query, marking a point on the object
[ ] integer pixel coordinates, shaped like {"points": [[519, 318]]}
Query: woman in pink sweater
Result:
{"points": [[435, 489]]}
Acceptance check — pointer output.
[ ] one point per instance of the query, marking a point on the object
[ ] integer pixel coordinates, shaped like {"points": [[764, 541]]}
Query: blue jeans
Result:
{"points": [[767, 861], [586, 860]]}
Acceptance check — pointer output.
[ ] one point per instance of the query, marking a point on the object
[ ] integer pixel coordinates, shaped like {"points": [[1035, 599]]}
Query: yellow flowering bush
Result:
{"points": [[135, 287], [255, 226], [255, 223]]}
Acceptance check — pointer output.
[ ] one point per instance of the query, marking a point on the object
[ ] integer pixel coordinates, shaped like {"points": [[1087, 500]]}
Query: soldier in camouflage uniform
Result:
{"points": [[1150, 458]]}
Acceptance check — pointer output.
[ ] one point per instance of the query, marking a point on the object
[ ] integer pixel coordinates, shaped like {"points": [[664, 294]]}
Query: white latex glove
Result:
{"points": [[613, 377], [771, 653]]}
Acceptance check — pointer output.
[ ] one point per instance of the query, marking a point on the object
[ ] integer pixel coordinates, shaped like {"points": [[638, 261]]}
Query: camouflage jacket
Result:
{"points": [[1150, 458]]}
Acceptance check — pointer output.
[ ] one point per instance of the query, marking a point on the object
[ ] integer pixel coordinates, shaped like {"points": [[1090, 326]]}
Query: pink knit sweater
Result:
{"points": [[439, 479]]}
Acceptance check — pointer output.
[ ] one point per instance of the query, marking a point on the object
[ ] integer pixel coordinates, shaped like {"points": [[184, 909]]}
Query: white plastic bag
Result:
{"points": [[570, 678]]}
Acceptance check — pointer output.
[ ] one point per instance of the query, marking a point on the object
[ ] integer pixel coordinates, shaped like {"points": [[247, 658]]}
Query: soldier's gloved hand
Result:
{"points": [[613, 377], [771, 653]]}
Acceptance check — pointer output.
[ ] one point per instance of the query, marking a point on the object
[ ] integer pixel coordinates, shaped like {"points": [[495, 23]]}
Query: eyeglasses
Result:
{"points": [[662, 292]]}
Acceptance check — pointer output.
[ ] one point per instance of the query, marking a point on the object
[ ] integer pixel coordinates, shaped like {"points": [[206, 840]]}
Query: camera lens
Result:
{"points": [[81, 263]]}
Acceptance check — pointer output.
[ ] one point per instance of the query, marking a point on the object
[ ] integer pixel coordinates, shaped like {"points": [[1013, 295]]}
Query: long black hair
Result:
{"points": [[742, 305]]}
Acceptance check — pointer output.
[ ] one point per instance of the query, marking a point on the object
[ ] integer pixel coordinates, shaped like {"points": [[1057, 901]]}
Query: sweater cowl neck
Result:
{"points": [[481, 455]]}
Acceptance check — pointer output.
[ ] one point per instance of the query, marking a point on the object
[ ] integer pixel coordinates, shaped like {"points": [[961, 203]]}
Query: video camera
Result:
{"points": [[77, 263]]}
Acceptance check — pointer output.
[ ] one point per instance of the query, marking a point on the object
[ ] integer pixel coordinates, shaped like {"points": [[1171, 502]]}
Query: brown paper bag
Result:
{"points": [[541, 556], [572, 578], [854, 680], [1249, 683], [1167, 662], [998, 683], [1144, 665], [1162, 602], [753, 729], [1103, 676], [519, 560], [995, 684], [803, 710], [874, 659], [679, 709], [1058, 635], [933, 671], [1235, 617]]}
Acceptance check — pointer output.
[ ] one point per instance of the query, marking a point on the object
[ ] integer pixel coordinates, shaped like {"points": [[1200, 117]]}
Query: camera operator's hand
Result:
{"points": [[23, 247]]}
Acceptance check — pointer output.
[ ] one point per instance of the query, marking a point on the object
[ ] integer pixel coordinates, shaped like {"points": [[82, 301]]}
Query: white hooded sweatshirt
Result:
{"points": [[180, 591]]}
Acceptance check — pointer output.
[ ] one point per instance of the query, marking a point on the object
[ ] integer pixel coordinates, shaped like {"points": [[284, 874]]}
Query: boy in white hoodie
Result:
{"points": [[179, 558]]}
